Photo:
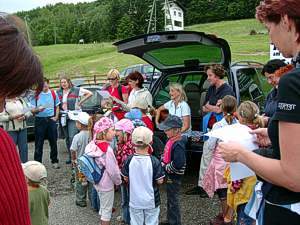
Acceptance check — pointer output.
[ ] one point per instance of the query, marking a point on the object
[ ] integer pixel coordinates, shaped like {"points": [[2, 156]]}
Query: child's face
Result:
{"points": [[170, 133], [110, 134], [78, 125], [119, 135]]}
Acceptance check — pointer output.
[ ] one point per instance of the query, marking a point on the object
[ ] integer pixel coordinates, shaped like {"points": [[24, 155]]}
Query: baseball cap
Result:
{"points": [[142, 135], [134, 114], [125, 125], [34, 171], [81, 117], [170, 122]]}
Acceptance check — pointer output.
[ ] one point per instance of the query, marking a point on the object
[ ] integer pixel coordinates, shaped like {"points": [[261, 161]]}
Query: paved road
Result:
{"points": [[63, 211]]}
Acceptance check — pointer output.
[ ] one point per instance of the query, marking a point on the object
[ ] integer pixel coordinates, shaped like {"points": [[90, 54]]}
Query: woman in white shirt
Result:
{"points": [[177, 106], [13, 120], [135, 82]]}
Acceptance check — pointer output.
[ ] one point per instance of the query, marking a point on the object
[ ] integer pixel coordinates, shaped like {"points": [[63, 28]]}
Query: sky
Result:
{"points": [[11, 6]]}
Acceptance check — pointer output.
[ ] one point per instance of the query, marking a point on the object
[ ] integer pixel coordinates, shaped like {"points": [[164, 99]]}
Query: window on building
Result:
{"points": [[179, 14], [177, 23], [174, 13]]}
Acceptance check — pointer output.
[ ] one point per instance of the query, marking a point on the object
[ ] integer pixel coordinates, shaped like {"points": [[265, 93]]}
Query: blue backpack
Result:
{"points": [[88, 166]]}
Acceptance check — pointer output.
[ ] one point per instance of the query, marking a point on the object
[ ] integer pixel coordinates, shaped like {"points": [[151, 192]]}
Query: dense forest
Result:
{"points": [[106, 20]]}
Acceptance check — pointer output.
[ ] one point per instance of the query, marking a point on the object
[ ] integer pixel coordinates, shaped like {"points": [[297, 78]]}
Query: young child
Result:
{"points": [[240, 191], [80, 141], [174, 162], [124, 128], [99, 148], [39, 198], [141, 104], [143, 172], [213, 180]]}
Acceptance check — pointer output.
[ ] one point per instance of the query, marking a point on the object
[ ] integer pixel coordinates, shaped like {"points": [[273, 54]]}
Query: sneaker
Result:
{"points": [[195, 191], [55, 166], [80, 204]]}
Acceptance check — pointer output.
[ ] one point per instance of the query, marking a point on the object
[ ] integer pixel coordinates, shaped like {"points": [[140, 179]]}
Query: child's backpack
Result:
{"points": [[88, 166]]}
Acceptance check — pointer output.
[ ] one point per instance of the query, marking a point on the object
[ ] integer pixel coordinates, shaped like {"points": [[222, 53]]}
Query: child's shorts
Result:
{"points": [[106, 204]]}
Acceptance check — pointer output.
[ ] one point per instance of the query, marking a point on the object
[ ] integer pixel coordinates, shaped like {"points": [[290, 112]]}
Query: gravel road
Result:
{"points": [[63, 211]]}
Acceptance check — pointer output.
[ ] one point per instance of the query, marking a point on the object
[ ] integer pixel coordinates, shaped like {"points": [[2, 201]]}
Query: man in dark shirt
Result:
{"points": [[217, 90]]}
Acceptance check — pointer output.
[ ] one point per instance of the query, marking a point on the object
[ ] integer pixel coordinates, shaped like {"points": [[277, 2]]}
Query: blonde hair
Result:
{"points": [[179, 88], [113, 73], [249, 111], [228, 107]]}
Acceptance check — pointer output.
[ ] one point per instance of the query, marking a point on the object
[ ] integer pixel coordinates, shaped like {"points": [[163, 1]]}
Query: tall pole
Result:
{"points": [[27, 30], [151, 16]]}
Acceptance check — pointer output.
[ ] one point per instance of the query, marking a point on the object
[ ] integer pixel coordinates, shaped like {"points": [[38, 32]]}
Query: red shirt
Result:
{"points": [[115, 92], [148, 122], [14, 204]]}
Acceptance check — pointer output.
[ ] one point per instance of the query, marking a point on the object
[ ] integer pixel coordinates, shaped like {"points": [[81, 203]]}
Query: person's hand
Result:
{"points": [[219, 102], [230, 150], [40, 109], [262, 136], [21, 118], [17, 117], [54, 118]]}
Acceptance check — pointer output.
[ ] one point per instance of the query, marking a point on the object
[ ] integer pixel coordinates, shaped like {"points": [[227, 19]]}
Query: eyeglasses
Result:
{"points": [[115, 78]]}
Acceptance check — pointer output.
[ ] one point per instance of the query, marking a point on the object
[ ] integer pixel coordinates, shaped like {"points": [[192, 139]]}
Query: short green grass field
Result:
{"points": [[80, 60]]}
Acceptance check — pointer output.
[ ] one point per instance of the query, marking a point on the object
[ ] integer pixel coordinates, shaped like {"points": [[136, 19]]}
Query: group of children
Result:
{"points": [[129, 164], [233, 195]]}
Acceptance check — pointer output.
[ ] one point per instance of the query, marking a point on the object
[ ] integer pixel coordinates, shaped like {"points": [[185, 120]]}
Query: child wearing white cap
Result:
{"points": [[80, 141], [39, 198], [143, 172]]}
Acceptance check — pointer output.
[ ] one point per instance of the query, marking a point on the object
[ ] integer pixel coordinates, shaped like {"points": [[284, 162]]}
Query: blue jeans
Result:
{"points": [[20, 139], [144, 216], [242, 217], [125, 203], [173, 208], [95, 201], [70, 130], [45, 127]]}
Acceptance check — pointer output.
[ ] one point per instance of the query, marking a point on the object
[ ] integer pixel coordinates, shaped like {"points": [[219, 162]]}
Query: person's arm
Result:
{"points": [[112, 168], [55, 118], [86, 95], [284, 172], [4, 117], [211, 108], [124, 94], [157, 114], [186, 117], [177, 165]]}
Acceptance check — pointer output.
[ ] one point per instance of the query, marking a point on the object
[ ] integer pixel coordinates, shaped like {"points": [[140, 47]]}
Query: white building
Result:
{"points": [[174, 16]]}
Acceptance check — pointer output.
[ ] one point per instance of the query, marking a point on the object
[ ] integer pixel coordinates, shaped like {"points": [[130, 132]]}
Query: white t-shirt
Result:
{"points": [[80, 141], [143, 171], [141, 93], [182, 109]]}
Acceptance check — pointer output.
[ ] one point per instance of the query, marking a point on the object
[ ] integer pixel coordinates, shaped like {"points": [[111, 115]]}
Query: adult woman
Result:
{"points": [[135, 82], [20, 70], [13, 120], [281, 173], [177, 106], [71, 98], [268, 71], [117, 91]]}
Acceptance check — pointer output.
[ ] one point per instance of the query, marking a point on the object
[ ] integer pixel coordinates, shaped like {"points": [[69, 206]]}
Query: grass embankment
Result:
{"points": [[75, 59]]}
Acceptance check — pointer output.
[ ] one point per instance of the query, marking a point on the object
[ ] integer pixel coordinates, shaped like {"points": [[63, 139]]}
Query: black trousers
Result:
{"points": [[173, 207], [276, 215], [45, 128]]}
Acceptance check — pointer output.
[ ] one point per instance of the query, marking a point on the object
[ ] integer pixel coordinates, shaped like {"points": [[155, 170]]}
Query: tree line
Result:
{"points": [[107, 20]]}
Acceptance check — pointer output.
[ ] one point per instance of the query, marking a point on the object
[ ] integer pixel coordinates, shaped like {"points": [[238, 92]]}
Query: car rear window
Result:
{"points": [[179, 55]]}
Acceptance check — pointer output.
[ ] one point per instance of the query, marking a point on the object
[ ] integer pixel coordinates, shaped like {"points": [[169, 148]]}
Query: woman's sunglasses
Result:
{"points": [[112, 78]]}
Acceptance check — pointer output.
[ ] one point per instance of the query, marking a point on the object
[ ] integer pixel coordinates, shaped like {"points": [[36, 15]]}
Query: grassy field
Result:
{"points": [[78, 60]]}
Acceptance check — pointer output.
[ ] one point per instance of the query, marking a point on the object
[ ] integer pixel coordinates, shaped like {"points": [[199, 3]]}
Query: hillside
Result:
{"points": [[76, 59]]}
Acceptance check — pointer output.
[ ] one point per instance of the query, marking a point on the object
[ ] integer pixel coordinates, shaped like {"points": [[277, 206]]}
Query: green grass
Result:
{"points": [[79, 60]]}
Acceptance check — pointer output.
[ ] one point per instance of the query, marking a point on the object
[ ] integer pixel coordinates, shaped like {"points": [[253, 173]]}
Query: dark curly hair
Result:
{"points": [[217, 69], [272, 65], [136, 76]]}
